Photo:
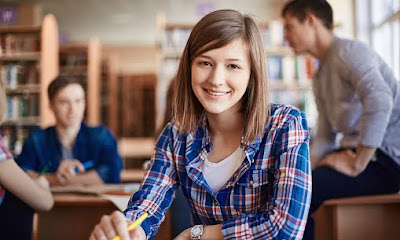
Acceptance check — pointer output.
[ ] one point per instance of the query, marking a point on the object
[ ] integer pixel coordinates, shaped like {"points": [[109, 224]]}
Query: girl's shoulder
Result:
{"points": [[284, 110], [282, 115]]}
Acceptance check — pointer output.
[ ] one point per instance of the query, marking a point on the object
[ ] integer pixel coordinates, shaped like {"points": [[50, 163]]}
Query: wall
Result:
{"points": [[343, 14]]}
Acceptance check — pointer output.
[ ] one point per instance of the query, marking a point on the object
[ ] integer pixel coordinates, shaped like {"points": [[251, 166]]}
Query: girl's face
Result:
{"points": [[220, 77]]}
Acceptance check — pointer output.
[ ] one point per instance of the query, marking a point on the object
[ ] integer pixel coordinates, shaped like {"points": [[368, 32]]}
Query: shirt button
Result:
{"points": [[251, 182]]}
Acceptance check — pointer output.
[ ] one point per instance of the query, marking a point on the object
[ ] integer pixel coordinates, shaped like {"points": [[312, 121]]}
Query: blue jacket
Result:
{"points": [[92, 144]]}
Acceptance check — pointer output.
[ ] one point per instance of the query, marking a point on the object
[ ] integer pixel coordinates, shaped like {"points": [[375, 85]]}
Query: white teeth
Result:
{"points": [[215, 93]]}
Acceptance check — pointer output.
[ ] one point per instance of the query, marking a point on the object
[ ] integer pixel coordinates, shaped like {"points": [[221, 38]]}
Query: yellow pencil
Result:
{"points": [[134, 224]]}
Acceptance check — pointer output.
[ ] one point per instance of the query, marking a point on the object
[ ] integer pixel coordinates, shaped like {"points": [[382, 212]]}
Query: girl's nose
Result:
{"points": [[217, 76]]}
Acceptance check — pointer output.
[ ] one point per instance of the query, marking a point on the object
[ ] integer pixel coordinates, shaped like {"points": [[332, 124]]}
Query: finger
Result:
{"points": [[120, 224], [107, 227], [350, 153], [78, 166], [98, 233], [134, 234], [68, 171], [326, 162], [61, 178]]}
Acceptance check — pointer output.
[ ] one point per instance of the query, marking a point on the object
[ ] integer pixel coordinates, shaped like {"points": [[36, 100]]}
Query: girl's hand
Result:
{"points": [[116, 224]]}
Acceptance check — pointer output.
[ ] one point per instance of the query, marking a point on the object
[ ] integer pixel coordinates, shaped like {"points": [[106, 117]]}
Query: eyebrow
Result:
{"points": [[229, 59]]}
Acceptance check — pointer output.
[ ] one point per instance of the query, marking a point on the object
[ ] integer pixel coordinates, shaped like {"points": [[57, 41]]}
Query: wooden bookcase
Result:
{"points": [[132, 116], [289, 76], [28, 62], [110, 93], [84, 61], [137, 109]]}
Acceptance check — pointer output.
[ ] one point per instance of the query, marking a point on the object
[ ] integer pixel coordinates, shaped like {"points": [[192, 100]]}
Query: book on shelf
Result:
{"points": [[273, 34], [12, 43], [288, 69], [19, 73], [20, 106], [274, 68], [14, 137], [175, 38]]}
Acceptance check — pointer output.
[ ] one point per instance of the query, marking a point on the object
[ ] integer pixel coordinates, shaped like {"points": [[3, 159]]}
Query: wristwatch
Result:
{"points": [[196, 232]]}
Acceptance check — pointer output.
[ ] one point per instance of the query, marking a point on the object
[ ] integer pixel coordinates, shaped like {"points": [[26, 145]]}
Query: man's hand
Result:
{"points": [[343, 162], [67, 170]]}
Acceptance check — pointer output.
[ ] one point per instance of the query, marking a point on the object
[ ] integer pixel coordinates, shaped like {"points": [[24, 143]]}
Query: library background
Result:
{"points": [[128, 52]]}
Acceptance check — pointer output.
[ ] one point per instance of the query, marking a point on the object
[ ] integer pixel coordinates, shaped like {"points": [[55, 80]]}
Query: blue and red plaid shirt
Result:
{"points": [[268, 197], [4, 155]]}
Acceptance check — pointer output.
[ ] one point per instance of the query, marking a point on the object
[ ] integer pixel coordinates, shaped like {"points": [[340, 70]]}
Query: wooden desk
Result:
{"points": [[75, 215], [370, 217]]}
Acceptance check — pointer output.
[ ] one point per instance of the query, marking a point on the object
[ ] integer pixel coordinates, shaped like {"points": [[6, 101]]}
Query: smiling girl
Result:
{"points": [[242, 163]]}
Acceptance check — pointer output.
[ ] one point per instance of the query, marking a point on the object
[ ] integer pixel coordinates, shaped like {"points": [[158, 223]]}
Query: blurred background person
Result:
{"points": [[72, 151], [357, 97]]}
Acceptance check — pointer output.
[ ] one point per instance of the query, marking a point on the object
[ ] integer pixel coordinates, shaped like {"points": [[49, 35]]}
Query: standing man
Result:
{"points": [[358, 98], [71, 151]]}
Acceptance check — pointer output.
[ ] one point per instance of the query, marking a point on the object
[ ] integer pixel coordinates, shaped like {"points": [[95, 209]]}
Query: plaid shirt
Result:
{"points": [[4, 155], [268, 197]]}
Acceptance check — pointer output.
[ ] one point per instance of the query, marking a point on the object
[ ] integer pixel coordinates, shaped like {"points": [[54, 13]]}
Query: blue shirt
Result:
{"points": [[268, 197], [94, 144]]}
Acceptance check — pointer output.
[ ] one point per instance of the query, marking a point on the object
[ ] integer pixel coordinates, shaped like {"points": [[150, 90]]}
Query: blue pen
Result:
{"points": [[86, 165]]}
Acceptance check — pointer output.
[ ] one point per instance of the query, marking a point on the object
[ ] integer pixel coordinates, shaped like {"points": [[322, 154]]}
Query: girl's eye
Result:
{"points": [[234, 66], [205, 63]]}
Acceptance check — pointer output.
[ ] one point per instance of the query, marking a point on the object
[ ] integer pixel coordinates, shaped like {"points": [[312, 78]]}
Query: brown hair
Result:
{"points": [[320, 8], [61, 82], [216, 30]]}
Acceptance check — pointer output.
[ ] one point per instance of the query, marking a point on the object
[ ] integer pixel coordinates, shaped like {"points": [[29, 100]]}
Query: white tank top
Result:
{"points": [[217, 174]]}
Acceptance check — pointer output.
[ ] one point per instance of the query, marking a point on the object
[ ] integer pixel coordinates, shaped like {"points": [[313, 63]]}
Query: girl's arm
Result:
{"points": [[34, 192]]}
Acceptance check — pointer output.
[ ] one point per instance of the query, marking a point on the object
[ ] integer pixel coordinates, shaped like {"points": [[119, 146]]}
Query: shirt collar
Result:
{"points": [[202, 139]]}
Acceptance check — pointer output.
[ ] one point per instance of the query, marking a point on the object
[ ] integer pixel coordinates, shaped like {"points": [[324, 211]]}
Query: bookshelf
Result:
{"points": [[132, 116], [28, 62], [289, 76], [137, 108], [172, 38], [109, 93], [84, 61]]}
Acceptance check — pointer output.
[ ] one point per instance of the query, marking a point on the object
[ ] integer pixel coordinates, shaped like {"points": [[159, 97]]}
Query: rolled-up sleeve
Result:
{"points": [[157, 190]]}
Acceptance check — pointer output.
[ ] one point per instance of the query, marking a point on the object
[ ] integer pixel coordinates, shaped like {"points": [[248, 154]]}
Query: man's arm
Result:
{"points": [[348, 162], [109, 163]]}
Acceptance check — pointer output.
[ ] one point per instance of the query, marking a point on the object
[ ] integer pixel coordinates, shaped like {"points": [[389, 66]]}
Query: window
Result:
{"points": [[378, 24]]}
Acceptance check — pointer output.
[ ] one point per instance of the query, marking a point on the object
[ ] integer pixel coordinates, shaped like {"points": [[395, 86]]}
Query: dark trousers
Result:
{"points": [[380, 177], [16, 219], [180, 214]]}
